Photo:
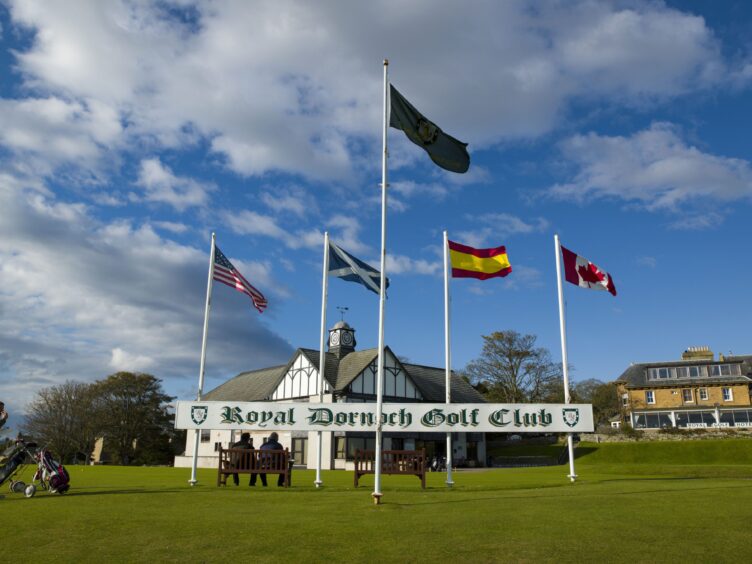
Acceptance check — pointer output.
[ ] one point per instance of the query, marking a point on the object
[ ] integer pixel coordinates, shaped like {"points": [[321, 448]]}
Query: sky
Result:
{"points": [[132, 130]]}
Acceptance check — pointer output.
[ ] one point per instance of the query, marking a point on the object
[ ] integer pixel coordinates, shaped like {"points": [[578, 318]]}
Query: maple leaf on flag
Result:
{"points": [[583, 273]]}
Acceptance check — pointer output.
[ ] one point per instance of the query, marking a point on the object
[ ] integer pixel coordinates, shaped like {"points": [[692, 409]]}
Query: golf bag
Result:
{"points": [[13, 458], [12, 463], [50, 473]]}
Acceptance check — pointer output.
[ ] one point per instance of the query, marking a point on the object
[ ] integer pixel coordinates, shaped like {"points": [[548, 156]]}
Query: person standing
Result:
{"points": [[246, 443], [271, 444]]}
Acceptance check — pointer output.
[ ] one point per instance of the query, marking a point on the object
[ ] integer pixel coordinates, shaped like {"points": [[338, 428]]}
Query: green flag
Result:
{"points": [[444, 150]]}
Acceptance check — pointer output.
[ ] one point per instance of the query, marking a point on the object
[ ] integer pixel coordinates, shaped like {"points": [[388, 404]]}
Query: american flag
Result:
{"points": [[226, 273]]}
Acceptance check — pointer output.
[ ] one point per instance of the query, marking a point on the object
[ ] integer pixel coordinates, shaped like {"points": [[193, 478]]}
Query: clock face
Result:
{"points": [[334, 339], [347, 338]]}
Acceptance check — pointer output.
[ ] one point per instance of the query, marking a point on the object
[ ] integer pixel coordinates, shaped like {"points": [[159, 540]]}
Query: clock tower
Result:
{"points": [[341, 339]]}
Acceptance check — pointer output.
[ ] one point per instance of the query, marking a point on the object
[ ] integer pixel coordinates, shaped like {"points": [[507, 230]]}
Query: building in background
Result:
{"points": [[694, 392], [350, 377]]}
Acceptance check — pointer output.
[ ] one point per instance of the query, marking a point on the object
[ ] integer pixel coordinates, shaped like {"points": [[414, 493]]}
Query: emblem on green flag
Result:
{"points": [[446, 151]]}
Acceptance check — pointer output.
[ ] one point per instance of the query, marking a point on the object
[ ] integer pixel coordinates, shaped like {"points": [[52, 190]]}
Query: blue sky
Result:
{"points": [[129, 131]]}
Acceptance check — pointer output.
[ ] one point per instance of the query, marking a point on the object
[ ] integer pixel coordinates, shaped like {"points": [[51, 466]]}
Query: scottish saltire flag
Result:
{"points": [[468, 262], [583, 273], [226, 273], [446, 151], [344, 265]]}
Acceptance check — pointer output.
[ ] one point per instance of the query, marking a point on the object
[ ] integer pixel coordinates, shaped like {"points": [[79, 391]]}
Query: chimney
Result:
{"points": [[697, 353]]}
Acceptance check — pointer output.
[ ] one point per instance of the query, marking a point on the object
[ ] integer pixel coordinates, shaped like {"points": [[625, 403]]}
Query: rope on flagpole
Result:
{"points": [[564, 362], [322, 353], [382, 297], [197, 433]]}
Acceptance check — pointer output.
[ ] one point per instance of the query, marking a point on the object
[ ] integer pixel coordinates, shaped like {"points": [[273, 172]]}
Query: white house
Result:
{"points": [[350, 376]]}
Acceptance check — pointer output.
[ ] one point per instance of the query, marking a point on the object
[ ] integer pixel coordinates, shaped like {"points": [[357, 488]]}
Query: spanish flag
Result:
{"points": [[468, 262]]}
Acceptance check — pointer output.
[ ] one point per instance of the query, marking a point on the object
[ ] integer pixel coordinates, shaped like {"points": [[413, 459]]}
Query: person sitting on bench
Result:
{"points": [[271, 444], [245, 442]]}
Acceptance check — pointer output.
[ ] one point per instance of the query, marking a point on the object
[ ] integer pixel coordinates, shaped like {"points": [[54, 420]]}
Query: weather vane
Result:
{"points": [[342, 311]]}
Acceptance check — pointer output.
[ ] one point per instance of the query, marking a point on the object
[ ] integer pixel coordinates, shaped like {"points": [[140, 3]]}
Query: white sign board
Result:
{"points": [[395, 417]]}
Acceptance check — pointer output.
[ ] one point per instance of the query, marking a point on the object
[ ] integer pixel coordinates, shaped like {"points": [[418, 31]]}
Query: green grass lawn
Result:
{"points": [[644, 502]]}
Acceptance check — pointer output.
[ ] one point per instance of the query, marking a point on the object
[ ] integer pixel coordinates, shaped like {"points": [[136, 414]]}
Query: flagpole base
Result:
{"points": [[572, 477], [192, 482], [449, 483], [318, 483], [376, 498]]}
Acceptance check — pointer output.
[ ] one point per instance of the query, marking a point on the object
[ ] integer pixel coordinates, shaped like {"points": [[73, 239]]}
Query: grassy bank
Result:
{"points": [[631, 503]]}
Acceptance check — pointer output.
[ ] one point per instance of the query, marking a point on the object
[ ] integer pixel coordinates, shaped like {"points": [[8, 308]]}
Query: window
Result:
{"points": [[728, 394], [741, 416], [300, 450], [653, 373], [650, 396], [694, 371], [205, 435], [687, 396], [682, 372], [339, 447], [704, 394], [663, 373], [345, 447], [625, 401], [217, 446]]}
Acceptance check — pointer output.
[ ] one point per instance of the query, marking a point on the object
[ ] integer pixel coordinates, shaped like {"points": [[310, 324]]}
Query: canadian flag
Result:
{"points": [[583, 273]]}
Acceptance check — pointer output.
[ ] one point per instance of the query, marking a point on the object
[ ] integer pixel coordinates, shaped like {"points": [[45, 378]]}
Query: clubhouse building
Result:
{"points": [[697, 391], [350, 376]]}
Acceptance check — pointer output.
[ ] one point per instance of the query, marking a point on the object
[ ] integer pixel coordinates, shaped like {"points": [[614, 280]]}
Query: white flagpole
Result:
{"points": [[197, 433], [564, 363], [382, 297], [322, 352], [447, 358]]}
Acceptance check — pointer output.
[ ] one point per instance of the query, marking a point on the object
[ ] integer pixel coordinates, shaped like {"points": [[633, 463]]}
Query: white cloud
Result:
{"points": [[82, 297], [160, 184], [124, 361], [51, 132], [494, 228], [697, 221], [271, 88], [171, 226], [654, 167], [399, 264], [295, 202], [647, 261], [248, 222]]}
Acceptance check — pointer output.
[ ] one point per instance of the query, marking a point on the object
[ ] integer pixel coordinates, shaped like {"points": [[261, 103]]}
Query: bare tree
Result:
{"points": [[64, 418], [512, 369]]}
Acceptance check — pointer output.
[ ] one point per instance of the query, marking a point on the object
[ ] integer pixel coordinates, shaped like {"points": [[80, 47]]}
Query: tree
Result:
{"points": [[603, 397], [65, 419], [134, 416], [512, 369]]}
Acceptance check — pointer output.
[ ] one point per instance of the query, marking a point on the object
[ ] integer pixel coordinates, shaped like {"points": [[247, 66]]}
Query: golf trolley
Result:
{"points": [[14, 461], [50, 474]]}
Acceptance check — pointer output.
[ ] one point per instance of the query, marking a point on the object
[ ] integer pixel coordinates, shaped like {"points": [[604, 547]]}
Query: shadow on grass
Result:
{"points": [[571, 493], [582, 452], [42, 495]]}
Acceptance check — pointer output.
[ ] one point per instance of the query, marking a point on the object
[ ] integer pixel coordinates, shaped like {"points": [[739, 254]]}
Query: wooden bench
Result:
{"points": [[407, 462], [253, 461]]}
